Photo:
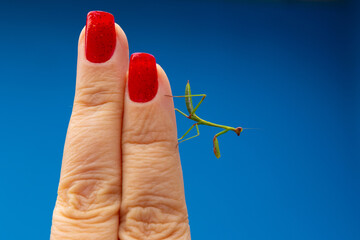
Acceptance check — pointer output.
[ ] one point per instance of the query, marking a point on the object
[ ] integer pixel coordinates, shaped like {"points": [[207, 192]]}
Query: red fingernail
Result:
{"points": [[143, 82], [100, 37]]}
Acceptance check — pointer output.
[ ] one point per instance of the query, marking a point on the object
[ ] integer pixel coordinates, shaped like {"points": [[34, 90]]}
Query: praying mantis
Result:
{"points": [[189, 105]]}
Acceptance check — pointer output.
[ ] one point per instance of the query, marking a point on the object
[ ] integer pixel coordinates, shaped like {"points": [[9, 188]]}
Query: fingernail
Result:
{"points": [[143, 81], [100, 36]]}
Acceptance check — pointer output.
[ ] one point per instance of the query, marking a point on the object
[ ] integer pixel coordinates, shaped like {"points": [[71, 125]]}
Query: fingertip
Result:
{"points": [[161, 72], [121, 37], [81, 42], [82, 36], [121, 47], [163, 80]]}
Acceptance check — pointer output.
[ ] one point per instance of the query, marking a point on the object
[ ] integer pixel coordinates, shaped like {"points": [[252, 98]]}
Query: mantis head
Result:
{"points": [[238, 130]]}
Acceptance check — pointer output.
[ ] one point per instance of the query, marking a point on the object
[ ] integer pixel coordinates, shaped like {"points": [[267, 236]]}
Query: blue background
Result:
{"points": [[288, 68]]}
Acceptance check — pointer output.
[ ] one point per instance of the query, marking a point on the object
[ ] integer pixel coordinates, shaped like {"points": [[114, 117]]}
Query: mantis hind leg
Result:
{"points": [[198, 133]]}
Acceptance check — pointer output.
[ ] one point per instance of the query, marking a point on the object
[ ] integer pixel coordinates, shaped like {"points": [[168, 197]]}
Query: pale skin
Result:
{"points": [[121, 175]]}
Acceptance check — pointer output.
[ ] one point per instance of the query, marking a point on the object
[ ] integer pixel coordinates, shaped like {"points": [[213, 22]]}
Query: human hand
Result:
{"points": [[121, 176]]}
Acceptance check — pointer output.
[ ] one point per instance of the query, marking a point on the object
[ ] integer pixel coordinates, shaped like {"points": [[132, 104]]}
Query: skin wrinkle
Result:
{"points": [[161, 148], [90, 170], [91, 174], [76, 204], [97, 101], [140, 175], [81, 195], [89, 189], [140, 136], [84, 123], [139, 178], [78, 229], [138, 230], [98, 94], [94, 79], [90, 74], [169, 209], [85, 161], [106, 178], [165, 231], [144, 131], [148, 164], [157, 225], [80, 143], [87, 124], [98, 215], [81, 225]]}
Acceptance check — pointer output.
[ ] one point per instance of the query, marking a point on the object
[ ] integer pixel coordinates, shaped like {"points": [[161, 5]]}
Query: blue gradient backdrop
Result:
{"points": [[288, 68]]}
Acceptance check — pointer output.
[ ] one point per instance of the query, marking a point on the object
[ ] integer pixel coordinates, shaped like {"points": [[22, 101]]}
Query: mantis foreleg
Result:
{"points": [[222, 132], [198, 133], [216, 143], [197, 106], [181, 112]]}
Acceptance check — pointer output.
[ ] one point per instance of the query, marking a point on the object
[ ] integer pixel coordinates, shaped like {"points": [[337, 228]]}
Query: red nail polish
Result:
{"points": [[100, 36], [143, 81]]}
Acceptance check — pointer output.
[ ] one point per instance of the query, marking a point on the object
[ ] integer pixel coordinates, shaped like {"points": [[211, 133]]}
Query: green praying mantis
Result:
{"points": [[189, 105]]}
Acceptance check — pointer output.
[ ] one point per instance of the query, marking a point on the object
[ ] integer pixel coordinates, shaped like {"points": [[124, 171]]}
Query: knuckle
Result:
{"points": [[157, 155], [97, 88], [63, 228], [95, 96], [147, 129], [92, 199], [154, 222]]}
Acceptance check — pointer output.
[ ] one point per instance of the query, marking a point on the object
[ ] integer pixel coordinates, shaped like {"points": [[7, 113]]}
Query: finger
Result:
{"points": [[153, 202], [89, 191]]}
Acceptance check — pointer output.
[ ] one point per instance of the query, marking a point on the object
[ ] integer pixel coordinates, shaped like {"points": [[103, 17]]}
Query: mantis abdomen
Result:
{"points": [[188, 99]]}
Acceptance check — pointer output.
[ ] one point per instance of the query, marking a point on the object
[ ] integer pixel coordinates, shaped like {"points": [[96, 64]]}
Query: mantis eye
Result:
{"points": [[238, 130]]}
